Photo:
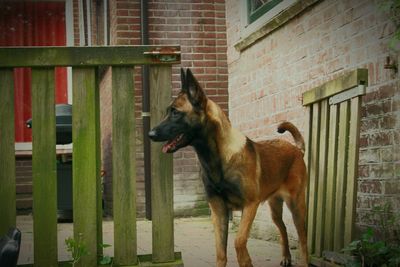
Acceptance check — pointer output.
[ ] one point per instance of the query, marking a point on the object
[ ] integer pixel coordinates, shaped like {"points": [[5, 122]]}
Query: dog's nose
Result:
{"points": [[152, 134]]}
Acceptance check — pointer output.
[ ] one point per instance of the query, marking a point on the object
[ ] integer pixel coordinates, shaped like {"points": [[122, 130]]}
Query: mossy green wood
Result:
{"points": [[83, 56], [331, 178], [7, 151], [161, 170], [86, 173], [124, 165], [313, 182], [340, 198], [343, 83], [352, 169], [321, 195], [44, 169]]}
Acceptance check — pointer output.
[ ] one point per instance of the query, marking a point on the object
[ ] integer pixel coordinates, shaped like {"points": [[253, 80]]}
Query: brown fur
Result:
{"points": [[240, 174]]}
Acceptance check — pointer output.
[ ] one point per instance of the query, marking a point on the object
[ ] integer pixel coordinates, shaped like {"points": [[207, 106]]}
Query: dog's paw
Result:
{"points": [[286, 262]]}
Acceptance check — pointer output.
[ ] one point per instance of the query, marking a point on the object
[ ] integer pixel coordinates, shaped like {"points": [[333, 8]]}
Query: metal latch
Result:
{"points": [[164, 54]]}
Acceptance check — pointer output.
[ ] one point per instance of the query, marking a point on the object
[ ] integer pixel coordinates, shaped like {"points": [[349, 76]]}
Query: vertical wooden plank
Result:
{"points": [[313, 182], [331, 178], [86, 174], [308, 152], [161, 170], [124, 166], [44, 169], [322, 162], [341, 176], [352, 170], [7, 151]]}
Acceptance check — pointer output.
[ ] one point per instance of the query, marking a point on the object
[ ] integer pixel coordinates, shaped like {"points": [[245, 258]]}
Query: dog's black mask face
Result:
{"points": [[182, 123]]}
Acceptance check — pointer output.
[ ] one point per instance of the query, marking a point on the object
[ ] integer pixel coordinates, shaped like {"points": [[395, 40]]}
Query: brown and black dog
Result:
{"points": [[237, 173]]}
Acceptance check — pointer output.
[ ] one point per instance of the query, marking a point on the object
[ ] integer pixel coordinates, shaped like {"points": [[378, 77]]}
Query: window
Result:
{"points": [[257, 8]]}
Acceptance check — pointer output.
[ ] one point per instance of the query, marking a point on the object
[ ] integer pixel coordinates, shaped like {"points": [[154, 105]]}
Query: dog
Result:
{"points": [[238, 173]]}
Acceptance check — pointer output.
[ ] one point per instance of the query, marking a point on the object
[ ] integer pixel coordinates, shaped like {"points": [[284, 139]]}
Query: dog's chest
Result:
{"points": [[227, 188]]}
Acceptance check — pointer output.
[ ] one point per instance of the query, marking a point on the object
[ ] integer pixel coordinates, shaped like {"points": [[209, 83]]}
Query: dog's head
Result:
{"points": [[183, 121]]}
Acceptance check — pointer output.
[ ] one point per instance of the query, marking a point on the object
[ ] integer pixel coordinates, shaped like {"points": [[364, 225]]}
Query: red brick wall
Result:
{"points": [[199, 28], [266, 82]]}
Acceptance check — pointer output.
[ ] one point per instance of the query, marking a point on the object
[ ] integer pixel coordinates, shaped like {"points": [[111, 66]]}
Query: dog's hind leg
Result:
{"points": [[220, 218], [298, 208], [276, 204], [248, 214]]}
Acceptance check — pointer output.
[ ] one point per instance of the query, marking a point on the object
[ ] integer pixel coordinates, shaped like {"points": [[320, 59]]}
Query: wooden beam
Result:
{"points": [[86, 173], [321, 195], [44, 168], [87, 56], [331, 178], [313, 173], [161, 170], [343, 83], [341, 178], [7, 152], [124, 166], [352, 171]]}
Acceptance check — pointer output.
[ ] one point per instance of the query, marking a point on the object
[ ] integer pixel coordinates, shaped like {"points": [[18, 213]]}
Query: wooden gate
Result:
{"points": [[86, 150], [332, 157]]}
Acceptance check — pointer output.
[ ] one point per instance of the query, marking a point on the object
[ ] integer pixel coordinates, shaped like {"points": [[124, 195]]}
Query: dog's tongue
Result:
{"points": [[171, 144], [167, 147]]}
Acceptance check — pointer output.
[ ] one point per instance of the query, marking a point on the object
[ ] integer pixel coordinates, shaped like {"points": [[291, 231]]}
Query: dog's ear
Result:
{"points": [[183, 80], [197, 96]]}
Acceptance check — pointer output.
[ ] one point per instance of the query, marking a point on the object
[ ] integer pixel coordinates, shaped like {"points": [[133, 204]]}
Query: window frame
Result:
{"points": [[253, 16]]}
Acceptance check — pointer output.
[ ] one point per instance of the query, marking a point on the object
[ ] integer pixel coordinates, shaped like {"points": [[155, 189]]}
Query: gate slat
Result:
{"points": [[161, 170], [352, 171], [86, 173], [124, 166], [313, 170], [7, 151], [44, 168], [321, 195], [341, 175], [331, 179]]}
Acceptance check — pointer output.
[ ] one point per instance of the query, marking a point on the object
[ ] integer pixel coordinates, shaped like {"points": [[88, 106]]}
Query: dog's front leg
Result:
{"points": [[220, 218], [248, 214]]}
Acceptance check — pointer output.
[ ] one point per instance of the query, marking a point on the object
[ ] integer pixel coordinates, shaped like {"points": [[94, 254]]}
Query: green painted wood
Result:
{"points": [[352, 170], [124, 166], [86, 173], [99, 190], [7, 152], [344, 82], [307, 157], [321, 195], [341, 176], [313, 182], [331, 179], [44, 168], [161, 170], [82, 56]]}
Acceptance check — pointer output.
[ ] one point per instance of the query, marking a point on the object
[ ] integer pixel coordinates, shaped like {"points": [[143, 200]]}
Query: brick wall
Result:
{"points": [[199, 28], [266, 82]]}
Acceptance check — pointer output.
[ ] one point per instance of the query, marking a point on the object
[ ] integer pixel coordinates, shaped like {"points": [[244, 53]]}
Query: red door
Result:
{"points": [[32, 23]]}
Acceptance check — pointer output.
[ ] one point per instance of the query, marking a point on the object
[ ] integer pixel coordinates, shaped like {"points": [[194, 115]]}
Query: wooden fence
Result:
{"points": [[333, 163], [87, 211]]}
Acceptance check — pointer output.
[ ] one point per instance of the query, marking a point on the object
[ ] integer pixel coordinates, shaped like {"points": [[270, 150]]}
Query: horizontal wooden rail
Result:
{"points": [[88, 56]]}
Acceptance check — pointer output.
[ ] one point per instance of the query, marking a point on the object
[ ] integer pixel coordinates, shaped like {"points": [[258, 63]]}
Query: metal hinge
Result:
{"points": [[164, 54]]}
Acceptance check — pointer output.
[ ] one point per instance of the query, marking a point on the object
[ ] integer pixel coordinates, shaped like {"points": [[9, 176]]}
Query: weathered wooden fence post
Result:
{"points": [[7, 151], [124, 165], [161, 170], [86, 172], [44, 169]]}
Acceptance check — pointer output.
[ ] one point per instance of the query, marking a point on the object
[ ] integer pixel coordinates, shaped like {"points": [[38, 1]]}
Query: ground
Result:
{"points": [[194, 237]]}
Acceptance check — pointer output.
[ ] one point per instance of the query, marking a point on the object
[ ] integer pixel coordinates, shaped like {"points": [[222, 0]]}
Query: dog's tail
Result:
{"points": [[298, 138]]}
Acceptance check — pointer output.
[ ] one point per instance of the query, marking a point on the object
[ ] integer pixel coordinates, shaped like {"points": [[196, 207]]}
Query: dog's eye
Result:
{"points": [[174, 112]]}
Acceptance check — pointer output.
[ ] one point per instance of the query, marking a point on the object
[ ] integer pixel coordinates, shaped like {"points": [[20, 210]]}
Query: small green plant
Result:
{"points": [[369, 251], [105, 260], [77, 248], [392, 8]]}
